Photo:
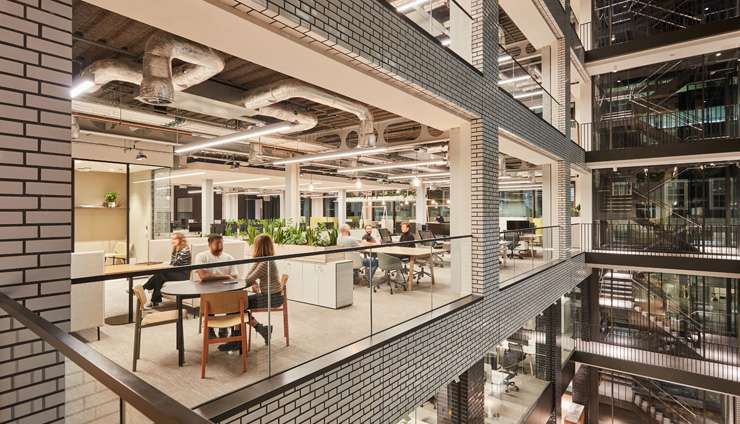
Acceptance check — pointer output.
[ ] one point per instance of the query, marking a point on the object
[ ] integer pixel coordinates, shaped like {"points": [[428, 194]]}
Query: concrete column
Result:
{"points": [[462, 401], [367, 210], [341, 206], [230, 205], [460, 207], [206, 206], [421, 205], [317, 207], [281, 197], [292, 193], [258, 208]]}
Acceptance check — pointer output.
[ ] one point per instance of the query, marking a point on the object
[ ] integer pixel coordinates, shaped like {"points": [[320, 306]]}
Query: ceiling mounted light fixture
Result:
{"points": [[238, 136], [410, 5], [358, 183], [80, 88], [140, 155], [409, 176], [248, 180], [514, 79], [331, 155], [170, 177], [414, 164]]}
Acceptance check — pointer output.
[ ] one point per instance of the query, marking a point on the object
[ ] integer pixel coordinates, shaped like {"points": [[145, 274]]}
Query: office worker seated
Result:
{"points": [[345, 239], [406, 235], [368, 236], [215, 254], [180, 257], [263, 278]]}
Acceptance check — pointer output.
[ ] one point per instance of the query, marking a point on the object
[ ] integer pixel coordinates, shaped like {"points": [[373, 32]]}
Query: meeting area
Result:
{"points": [[248, 222]]}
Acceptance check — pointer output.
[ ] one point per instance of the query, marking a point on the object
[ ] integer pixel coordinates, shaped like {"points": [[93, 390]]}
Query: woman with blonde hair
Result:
{"points": [[180, 256], [264, 278]]}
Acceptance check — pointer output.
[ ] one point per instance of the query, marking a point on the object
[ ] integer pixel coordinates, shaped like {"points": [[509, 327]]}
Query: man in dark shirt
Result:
{"points": [[406, 234], [368, 236]]}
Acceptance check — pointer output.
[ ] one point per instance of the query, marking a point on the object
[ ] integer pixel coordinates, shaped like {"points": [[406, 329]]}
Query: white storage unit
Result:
{"points": [[326, 284], [87, 309]]}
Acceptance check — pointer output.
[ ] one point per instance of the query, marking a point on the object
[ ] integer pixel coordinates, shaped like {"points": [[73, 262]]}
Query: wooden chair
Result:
{"points": [[232, 304], [282, 308], [144, 319]]}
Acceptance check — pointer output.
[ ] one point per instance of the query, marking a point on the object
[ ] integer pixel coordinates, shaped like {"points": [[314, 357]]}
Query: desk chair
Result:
{"points": [[392, 267], [230, 307], [118, 254], [512, 238], [359, 271], [385, 235], [144, 319], [510, 365], [282, 308], [438, 248]]}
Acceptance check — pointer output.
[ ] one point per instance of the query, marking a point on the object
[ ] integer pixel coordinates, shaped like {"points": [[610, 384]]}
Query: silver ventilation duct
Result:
{"points": [[266, 96], [303, 121], [103, 71], [160, 81]]}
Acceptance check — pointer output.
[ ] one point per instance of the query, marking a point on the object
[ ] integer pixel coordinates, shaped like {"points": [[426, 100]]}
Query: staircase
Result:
{"points": [[635, 324], [644, 398]]}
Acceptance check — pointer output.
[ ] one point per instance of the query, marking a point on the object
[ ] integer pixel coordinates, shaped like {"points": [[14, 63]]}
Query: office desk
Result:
{"points": [[117, 269], [412, 253], [191, 290]]}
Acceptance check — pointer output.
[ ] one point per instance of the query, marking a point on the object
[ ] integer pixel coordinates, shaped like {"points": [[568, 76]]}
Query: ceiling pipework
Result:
{"points": [[265, 97], [160, 81]]}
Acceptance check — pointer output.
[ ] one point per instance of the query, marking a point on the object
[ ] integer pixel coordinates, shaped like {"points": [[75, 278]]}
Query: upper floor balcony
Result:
{"points": [[615, 22]]}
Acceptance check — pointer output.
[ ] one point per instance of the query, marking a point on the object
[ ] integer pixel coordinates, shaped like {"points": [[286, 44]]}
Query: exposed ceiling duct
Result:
{"points": [[160, 81], [268, 95]]}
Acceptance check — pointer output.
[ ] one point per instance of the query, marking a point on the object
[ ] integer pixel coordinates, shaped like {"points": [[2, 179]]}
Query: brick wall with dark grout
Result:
{"points": [[35, 200]]}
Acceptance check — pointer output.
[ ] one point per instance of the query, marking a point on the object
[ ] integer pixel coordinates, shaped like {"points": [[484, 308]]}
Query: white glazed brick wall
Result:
{"points": [[35, 200]]}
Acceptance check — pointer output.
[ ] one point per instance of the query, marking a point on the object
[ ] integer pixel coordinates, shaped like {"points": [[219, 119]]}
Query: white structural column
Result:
{"points": [[206, 205], [258, 208], [317, 207], [421, 205], [460, 208], [341, 206], [230, 205], [292, 195]]}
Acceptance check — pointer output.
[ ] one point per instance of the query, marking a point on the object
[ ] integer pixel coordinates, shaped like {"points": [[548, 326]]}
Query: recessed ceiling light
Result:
{"points": [[718, 54]]}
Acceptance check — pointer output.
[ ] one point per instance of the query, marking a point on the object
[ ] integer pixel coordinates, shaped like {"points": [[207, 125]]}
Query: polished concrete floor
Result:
{"points": [[313, 331], [513, 407]]}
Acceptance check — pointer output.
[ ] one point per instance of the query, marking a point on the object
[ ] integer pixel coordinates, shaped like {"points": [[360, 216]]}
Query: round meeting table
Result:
{"points": [[191, 290]]}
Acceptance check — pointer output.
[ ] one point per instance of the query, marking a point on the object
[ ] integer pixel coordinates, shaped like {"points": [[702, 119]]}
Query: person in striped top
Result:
{"points": [[180, 256]]}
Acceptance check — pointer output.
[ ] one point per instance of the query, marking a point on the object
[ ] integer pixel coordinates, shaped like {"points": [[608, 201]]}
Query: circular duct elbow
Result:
{"points": [[159, 82]]}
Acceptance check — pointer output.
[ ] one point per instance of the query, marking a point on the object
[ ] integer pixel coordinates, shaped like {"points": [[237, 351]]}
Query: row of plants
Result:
{"points": [[282, 232]]}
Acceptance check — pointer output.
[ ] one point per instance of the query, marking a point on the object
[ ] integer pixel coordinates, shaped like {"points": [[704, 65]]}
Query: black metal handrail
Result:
{"points": [[188, 268], [142, 396], [650, 238]]}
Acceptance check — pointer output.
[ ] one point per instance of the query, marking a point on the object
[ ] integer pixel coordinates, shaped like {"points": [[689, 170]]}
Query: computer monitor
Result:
{"points": [[439, 229], [194, 227], [517, 224], [385, 235], [219, 228]]}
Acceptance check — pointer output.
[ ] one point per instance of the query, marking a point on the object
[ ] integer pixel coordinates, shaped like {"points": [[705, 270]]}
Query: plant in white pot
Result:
{"points": [[110, 199]]}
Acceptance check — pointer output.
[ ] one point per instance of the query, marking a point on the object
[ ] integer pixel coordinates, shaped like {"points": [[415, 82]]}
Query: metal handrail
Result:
{"points": [[530, 75], [666, 404], [145, 398], [188, 268]]}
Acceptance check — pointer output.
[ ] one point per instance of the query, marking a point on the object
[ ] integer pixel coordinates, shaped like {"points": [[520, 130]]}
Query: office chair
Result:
{"points": [[510, 365], [512, 238], [392, 268], [385, 235]]}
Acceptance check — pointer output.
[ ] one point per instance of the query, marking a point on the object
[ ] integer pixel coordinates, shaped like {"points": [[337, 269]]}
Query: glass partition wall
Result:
{"points": [[120, 207]]}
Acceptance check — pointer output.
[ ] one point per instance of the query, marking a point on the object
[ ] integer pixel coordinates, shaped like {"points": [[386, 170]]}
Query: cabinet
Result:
{"points": [[323, 284]]}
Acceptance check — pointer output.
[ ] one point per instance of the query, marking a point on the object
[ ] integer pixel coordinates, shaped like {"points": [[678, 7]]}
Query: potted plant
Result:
{"points": [[110, 199]]}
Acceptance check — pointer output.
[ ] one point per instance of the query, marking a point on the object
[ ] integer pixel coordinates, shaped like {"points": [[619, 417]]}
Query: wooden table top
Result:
{"points": [[404, 251], [120, 268]]}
